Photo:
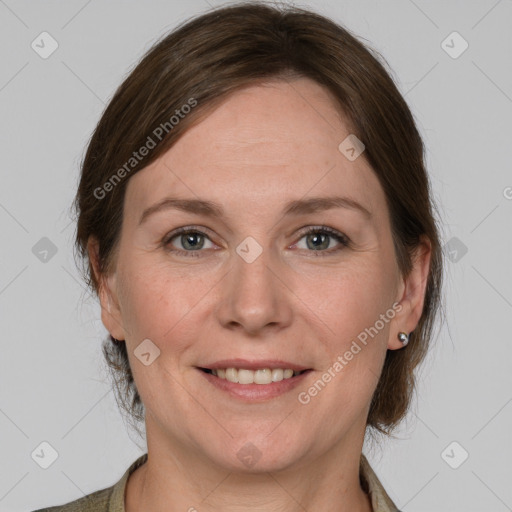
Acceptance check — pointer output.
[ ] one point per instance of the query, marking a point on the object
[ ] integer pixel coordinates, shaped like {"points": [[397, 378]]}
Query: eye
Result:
{"points": [[319, 239], [191, 241]]}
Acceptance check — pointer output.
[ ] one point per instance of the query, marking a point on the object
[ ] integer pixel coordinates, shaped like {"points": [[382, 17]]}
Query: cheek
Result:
{"points": [[155, 301], [158, 305], [348, 299], [350, 313]]}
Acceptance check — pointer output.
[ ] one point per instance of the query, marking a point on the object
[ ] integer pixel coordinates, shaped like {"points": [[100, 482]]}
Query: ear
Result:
{"points": [[107, 293], [411, 294]]}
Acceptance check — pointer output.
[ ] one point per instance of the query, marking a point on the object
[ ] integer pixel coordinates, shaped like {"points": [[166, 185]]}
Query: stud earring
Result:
{"points": [[404, 338]]}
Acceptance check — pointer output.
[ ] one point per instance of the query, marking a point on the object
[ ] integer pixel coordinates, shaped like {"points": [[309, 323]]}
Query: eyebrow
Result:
{"points": [[296, 207]]}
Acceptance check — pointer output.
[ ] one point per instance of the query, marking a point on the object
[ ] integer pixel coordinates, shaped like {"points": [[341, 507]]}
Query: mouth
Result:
{"points": [[254, 385], [262, 376]]}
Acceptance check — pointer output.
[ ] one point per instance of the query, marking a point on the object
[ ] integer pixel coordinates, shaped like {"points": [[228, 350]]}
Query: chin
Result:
{"points": [[261, 454]]}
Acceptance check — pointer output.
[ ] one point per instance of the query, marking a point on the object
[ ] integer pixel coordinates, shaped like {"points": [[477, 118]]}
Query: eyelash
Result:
{"points": [[339, 237]]}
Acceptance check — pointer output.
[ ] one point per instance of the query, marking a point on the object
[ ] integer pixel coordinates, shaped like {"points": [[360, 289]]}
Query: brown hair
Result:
{"points": [[203, 61]]}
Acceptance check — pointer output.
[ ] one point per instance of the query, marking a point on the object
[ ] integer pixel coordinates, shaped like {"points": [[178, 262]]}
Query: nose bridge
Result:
{"points": [[254, 296]]}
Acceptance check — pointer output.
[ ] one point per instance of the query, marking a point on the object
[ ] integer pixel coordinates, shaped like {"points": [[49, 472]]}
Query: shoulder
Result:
{"points": [[110, 499], [97, 501], [370, 483]]}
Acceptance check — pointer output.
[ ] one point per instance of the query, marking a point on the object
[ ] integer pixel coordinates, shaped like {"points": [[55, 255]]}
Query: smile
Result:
{"points": [[254, 385], [263, 376]]}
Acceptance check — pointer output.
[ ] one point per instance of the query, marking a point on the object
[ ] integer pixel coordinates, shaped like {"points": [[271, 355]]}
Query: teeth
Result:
{"points": [[263, 376]]}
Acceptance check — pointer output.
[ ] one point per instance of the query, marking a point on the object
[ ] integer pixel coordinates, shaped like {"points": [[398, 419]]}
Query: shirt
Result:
{"points": [[111, 499]]}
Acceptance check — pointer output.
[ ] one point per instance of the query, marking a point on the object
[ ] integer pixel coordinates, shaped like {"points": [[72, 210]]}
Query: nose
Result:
{"points": [[255, 296]]}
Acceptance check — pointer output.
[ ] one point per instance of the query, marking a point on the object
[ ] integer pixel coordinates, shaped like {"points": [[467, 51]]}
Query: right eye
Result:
{"points": [[191, 241]]}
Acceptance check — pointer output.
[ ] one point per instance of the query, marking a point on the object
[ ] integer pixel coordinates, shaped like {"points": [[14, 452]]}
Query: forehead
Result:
{"points": [[264, 144]]}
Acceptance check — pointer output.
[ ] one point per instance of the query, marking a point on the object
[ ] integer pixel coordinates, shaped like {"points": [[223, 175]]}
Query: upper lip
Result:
{"points": [[254, 365]]}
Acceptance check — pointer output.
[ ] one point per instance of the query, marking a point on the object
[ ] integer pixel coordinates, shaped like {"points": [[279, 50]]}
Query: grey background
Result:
{"points": [[54, 386]]}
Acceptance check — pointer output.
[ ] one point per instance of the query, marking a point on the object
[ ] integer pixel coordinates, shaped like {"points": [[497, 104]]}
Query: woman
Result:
{"points": [[257, 222]]}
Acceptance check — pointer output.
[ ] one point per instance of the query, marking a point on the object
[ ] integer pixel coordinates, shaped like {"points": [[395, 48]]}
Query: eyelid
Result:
{"points": [[326, 229], [342, 239], [185, 229]]}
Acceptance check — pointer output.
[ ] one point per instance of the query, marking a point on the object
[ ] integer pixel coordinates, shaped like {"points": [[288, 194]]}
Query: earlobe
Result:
{"points": [[412, 296]]}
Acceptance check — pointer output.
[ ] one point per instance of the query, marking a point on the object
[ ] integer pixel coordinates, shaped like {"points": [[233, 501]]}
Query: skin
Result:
{"points": [[262, 147]]}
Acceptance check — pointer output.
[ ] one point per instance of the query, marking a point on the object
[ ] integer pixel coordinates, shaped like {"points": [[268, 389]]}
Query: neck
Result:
{"points": [[179, 478]]}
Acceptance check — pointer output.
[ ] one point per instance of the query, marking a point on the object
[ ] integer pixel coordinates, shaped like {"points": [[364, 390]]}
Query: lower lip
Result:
{"points": [[255, 392]]}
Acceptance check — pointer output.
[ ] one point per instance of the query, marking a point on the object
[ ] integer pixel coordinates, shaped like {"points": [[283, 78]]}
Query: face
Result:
{"points": [[249, 282]]}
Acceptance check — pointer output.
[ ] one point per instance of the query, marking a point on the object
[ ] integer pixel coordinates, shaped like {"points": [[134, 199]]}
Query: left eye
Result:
{"points": [[320, 238]]}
